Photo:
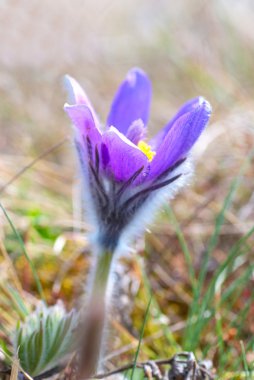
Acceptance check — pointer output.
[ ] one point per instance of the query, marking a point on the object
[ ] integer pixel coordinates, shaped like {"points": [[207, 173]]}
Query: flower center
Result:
{"points": [[147, 150]]}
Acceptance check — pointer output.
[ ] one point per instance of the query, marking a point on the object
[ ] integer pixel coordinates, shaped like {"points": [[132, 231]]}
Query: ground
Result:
{"points": [[197, 258]]}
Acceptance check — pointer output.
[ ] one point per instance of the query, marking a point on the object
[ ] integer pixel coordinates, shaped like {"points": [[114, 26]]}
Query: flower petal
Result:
{"points": [[187, 107], [86, 131], [181, 137], [136, 131], [78, 96], [131, 102], [124, 157]]}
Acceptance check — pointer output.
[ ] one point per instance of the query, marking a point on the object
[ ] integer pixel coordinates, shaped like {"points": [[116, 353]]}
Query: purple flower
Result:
{"points": [[123, 172]]}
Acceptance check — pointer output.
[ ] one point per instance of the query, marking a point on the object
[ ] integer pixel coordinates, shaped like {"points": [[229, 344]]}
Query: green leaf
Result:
{"points": [[137, 374], [45, 338]]}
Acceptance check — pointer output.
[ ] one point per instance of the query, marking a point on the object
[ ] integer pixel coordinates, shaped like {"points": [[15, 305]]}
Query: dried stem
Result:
{"points": [[204, 371]]}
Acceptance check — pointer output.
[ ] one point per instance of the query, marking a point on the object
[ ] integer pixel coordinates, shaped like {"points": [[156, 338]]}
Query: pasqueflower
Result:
{"points": [[124, 175], [124, 171]]}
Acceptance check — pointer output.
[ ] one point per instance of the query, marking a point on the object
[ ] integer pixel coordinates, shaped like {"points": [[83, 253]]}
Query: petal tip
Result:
{"points": [[66, 106], [76, 94], [136, 71], [133, 75], [67, 79], [132, 101], [204, 105]]}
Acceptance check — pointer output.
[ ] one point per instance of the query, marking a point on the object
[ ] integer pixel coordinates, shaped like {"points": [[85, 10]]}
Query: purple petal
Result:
{"points": [[131, 102], [78, 96], [187, 107], [125, 158], [104, 155], [87, 133], [136, 131], [180, 138]]}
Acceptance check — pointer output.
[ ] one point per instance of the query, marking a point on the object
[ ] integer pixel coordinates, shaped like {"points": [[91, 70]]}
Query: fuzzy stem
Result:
{"points": [[95, 317]]}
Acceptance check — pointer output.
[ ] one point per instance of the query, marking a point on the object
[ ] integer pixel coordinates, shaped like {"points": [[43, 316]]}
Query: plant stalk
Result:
{"points": [[95, 316]]}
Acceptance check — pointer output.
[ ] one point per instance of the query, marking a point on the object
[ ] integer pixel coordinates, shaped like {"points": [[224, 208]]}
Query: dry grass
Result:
{"points": [[189, 48]]}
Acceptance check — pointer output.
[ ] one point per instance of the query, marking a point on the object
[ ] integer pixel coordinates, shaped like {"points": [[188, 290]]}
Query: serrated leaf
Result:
{"points": [[44, 338]]}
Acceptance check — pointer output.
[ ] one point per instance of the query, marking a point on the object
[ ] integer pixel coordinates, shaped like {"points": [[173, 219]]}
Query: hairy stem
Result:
{"points": [[93, 325]]}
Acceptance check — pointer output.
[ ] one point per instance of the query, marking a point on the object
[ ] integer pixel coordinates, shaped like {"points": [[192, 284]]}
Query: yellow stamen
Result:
{"points": [[146, 149]]}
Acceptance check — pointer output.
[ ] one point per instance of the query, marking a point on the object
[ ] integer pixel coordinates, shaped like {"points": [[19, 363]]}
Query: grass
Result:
{"points": [[214, 303], [140, 340], [198, 260], [21, 243], [214, 306]]}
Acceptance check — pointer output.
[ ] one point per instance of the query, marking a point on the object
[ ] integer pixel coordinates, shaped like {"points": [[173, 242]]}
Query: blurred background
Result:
{"points": [[188, 48]]}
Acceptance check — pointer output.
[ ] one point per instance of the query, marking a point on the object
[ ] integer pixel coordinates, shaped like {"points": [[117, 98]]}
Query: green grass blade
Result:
{"points": [[192, 332], [203, 306], [22, 245], [140, 338], [215, 236], [236, 288], [157, 313], [195, 308], [219, 333], [245, 363], [219, 222], [183, 244], [17, 301]]}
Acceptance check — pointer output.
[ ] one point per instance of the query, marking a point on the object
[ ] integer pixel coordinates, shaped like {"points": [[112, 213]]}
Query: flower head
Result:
{"points": [[125, 173]]}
